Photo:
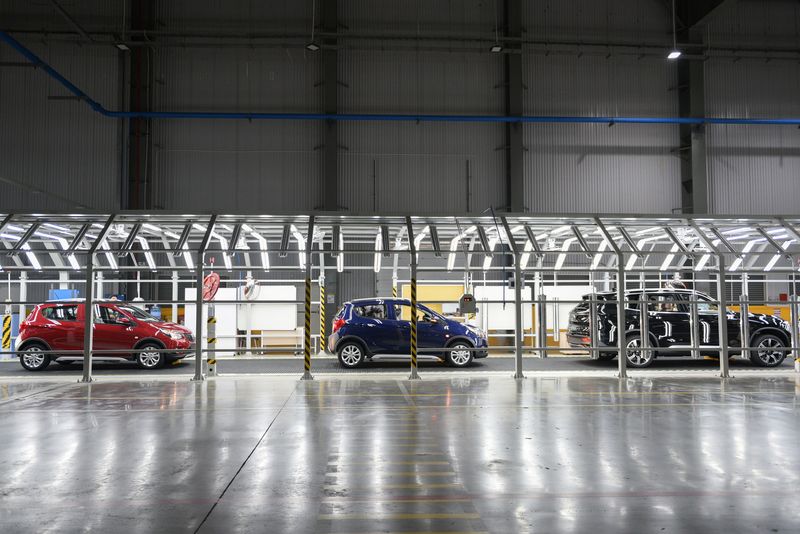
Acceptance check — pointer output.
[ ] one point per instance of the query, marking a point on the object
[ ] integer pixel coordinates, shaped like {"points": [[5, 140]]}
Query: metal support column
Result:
{"points": [[723, 319], [519, 333], [744, 323], [307, 308], [198, 330], [198, 324], [644, 323], [620, 330], [211, 334], [694, 327], [622, 356], [329, 71], [323, 340], [541, 324], [413, 253], [793, 307], [88, 320]]}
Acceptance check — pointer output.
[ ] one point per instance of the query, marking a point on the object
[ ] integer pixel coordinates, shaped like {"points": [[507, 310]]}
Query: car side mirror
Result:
{"points": [[124, 321]]}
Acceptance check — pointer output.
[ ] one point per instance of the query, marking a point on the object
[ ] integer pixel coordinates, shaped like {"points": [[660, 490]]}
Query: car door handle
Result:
{"points": [[370, 325]]}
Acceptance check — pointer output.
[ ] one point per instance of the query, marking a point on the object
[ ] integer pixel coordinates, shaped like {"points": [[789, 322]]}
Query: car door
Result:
{"points": [[430, 332], [110, 334], [668, 319], [62, 327], [708, 317], [372, 324]]}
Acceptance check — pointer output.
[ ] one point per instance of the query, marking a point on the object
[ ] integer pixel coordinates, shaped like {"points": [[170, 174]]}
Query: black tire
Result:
{"points": [[31, 360], [607, 356], [459, 354], [351, 354], [638, 358], [146, 359], [767, 356]]}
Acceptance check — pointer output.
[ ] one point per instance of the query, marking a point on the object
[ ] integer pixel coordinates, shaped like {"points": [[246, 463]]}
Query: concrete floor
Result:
{"points": [[466, 454], [330, 365]]}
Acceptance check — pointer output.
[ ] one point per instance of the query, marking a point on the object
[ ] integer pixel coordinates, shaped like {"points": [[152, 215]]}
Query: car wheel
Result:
{"points": [[148, 357], [459, 354], [637, 357], [607, 356], [768, 351], [33, 359], [350, 355]]}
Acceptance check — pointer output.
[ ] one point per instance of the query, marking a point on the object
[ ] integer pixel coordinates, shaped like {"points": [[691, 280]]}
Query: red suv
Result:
{"points": [[58, 326]]}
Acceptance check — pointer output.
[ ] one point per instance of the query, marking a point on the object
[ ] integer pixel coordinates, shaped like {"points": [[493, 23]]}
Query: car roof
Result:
{"points": [[654, 290], [377, 300]]}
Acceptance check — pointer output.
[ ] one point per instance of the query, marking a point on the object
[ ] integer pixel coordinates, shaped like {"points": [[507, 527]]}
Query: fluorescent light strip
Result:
{"points": [[340, 255], [376, 263], [562, 257], [487, 260], [112, 261], [148, 256], [598, 257], [669, 258], [32, 257], [187, 256]]}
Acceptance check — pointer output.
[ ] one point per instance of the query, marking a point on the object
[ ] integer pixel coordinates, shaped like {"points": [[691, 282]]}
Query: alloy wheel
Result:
{"points": [[149, 359], [459, 354], [33, 357], [767, 352], [637, 356], [351, 355]]}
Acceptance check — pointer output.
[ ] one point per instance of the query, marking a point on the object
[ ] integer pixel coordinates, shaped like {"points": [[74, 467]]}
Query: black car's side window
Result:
{"points": [[666, 303], [372, 311]]}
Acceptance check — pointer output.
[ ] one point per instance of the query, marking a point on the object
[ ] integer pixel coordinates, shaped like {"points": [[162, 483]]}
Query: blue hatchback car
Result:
{"points": [[380, 329]]}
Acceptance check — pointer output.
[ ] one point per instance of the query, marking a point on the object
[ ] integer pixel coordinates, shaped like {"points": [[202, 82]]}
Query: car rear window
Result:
{"points": [[372, 311], [61, 313]]}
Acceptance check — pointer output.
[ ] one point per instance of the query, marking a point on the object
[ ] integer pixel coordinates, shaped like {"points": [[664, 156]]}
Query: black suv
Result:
{"points": [[669, 325]]}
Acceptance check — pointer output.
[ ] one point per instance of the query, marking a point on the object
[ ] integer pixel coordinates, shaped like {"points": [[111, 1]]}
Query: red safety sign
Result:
{"points": [[210, 285]]}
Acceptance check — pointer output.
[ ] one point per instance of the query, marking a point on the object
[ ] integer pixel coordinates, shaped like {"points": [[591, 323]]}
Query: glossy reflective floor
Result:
{"points": [[475, 454]]}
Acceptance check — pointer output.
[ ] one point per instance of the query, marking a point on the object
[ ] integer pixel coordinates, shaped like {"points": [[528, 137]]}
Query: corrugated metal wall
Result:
{"points": [[753, 169], [385, 166], [594, 167], [57, 154], [236, 165]]}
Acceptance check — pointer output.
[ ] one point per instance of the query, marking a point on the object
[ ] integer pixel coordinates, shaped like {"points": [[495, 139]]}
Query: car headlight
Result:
{"points": [[477, 331], [177, 335], [785, 325]]}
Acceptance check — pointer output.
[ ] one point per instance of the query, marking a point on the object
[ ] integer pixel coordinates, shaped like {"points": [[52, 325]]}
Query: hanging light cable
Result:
{"points": [[674, 53]]}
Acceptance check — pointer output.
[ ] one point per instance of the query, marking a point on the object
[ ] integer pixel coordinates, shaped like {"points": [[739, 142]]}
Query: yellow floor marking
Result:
{"points": [[399, 453], [378, 517], [699, 391], [424, 462], [396, 473], [379, 487]]}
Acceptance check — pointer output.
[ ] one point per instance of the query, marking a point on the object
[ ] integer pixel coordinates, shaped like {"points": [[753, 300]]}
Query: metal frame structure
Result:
{"points": [[611, 247]]}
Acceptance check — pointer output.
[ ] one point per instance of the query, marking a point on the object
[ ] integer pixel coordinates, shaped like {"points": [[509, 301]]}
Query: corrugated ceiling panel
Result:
{"points": [[59, 147], [754, 22], [237, 165], [753, 169], [597, 168]]}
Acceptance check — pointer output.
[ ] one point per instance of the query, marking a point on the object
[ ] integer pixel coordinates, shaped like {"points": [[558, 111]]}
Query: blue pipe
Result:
{"points": [[96, 106]]}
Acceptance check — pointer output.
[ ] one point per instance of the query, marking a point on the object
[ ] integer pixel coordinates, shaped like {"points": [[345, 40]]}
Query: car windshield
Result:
{"points": [[138, 313]]}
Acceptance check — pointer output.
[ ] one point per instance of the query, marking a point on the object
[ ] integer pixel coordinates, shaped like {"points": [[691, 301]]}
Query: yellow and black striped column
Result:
{"points": [[394, 289], [307, 333], [211, 333], [6, 332], [323, 340], [414, 374]]}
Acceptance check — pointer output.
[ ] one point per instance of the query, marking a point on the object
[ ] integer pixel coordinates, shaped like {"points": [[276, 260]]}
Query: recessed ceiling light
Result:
{"points": [[674, 54], [312, 46], [122, 46], [496, 48]]}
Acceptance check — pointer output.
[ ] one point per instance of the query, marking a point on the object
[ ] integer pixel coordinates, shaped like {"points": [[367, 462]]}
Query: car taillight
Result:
{"points": [[337, 324]]}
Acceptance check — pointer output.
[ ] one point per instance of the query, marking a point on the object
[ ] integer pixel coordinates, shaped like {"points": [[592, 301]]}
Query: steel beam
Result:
{"points": [[412, 249], [329, 67], [512, 17]]}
